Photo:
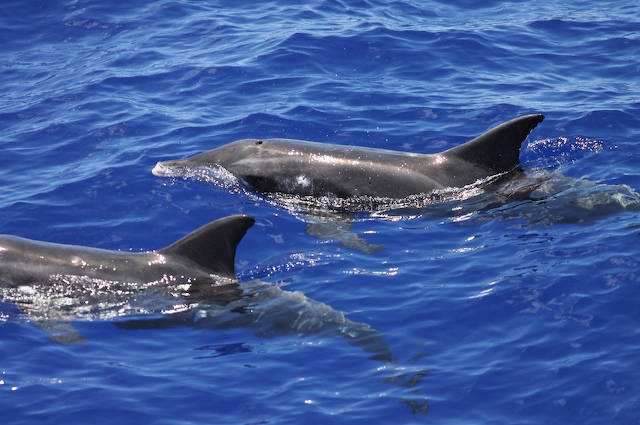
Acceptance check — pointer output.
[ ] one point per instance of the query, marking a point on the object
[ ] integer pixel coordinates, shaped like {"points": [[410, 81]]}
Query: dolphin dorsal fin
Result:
{"points": [[213, 246], [499, 148]]}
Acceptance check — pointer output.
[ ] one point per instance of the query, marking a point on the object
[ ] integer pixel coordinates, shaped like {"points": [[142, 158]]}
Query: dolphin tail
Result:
{"points": [[213, 246], [499, 148]]}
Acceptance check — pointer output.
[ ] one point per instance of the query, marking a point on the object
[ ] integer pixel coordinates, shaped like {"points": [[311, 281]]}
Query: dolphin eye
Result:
{"points": [[258, 142]]}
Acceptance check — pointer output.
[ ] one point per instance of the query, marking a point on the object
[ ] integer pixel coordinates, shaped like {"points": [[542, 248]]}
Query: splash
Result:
{"points": [[319, 205], [551, 153]]}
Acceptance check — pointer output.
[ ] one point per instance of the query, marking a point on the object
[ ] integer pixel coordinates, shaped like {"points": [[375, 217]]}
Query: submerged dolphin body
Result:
{"points": [[267, 310], [191, 282], [317, 169]]}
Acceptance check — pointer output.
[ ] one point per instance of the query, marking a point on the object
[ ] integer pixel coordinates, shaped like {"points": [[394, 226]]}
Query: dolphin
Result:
{"points": [[205, 256], [191, 282], [54, 283], [302, 168]]}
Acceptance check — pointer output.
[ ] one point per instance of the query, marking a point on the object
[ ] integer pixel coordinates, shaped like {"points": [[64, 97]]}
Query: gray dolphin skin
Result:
{"points": [[317, 169]]}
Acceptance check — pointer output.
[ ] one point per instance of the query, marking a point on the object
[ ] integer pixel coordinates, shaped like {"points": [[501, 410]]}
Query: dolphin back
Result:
{"points": [[213, 246], [498, 149]]}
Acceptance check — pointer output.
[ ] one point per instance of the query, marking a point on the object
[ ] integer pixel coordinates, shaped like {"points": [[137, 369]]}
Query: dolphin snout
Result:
{"points": [[161, 170]]}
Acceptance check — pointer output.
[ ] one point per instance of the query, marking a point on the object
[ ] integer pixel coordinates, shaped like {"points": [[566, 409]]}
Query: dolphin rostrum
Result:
{"points": [[303, 168]]}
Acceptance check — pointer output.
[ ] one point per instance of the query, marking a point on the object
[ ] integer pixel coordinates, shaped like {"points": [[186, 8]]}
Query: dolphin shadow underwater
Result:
{"points": [[191, 282]]}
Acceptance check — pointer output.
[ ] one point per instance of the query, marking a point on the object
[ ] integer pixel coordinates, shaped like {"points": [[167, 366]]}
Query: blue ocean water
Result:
{"points": [[524, 312]]}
